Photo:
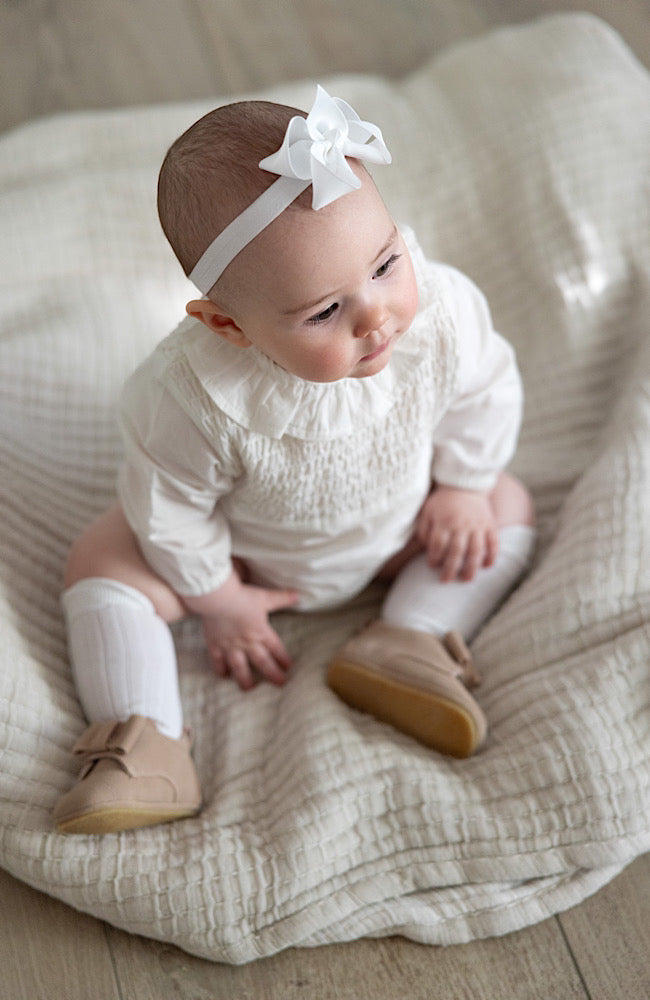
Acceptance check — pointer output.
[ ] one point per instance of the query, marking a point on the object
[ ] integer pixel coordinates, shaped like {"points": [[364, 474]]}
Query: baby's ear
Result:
{"points": [[212, 316]]}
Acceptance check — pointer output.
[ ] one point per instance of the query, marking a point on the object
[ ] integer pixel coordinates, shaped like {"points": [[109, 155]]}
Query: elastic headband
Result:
{"points": [[313, 151]]}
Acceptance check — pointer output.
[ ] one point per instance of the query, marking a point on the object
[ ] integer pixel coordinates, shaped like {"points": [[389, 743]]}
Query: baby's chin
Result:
{"points": [[376, 361]]}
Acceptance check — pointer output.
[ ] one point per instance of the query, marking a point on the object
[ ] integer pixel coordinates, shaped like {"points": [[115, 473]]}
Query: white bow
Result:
{"points": [[314, 148], [313, 151]]}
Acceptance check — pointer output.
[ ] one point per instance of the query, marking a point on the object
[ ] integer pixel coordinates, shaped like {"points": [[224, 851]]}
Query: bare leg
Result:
{"points": [[512, 503], [109, 549]]}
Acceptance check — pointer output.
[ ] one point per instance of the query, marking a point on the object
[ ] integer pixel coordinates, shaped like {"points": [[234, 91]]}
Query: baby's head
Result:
{"points": [[211, 173], [325, 292]]}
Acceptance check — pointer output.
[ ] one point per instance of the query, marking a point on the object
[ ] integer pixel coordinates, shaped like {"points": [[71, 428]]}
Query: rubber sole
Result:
{"points": [[115, 819], [432, 719]]}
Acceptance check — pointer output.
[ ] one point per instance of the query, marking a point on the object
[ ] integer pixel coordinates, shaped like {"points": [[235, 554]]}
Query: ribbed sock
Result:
{"points": [[418, 600], [123, 655]]}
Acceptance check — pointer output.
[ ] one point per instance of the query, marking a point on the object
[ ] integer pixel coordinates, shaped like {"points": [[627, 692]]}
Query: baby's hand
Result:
{"points": [[459, 532], [238, 634]]}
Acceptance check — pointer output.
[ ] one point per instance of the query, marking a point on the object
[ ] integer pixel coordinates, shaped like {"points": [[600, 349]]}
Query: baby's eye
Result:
{"points": [[326, 314], [386, 266]]}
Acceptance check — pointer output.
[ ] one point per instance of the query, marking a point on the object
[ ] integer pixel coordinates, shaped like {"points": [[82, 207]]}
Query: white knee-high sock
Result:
{"points": [[418, 600], [123, 655]]}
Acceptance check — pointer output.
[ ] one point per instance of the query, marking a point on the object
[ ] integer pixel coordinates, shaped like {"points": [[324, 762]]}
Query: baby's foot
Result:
{"points": [[415, 682], [131, 776]]}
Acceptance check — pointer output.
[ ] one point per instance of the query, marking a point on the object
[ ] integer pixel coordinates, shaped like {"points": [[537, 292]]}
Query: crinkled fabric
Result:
{"points": [[530, 173]]}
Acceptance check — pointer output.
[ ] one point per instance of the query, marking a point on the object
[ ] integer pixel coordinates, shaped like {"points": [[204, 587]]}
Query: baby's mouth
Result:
{"points": [[378, 350]]}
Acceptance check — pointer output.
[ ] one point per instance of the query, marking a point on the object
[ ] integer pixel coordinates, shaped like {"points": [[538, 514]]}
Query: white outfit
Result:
{"points": [[315, 485]]}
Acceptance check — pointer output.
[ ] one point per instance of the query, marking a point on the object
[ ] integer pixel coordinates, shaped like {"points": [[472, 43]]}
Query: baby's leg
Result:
{"points": [[108, 548], [412, 668], [418, 599], [117, 611], [137, 769]]}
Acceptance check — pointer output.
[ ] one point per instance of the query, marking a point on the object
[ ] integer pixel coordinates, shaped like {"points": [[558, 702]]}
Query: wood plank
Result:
{"points": [[49, 950], [533, 964], [609, 936], [67, 54]]}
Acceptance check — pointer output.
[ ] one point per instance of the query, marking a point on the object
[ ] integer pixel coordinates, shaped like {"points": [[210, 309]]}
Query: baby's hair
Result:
{"points": [[211, 173]]}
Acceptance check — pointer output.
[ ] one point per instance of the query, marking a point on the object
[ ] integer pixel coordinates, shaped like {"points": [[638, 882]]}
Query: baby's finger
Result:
{"points": [[438, 547], [474, 557], [239, 668], [276, 600], [491, 547], [278, 650], [454, 558], [267, 665], [218, 661], [424, 527]]}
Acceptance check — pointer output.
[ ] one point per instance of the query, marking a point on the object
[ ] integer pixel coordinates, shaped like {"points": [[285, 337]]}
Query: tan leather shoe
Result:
{"points": [[415, 682], [131, 776]]}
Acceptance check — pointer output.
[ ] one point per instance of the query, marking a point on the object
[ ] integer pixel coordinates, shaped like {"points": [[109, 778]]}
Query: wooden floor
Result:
{"points": [[67, 54]]}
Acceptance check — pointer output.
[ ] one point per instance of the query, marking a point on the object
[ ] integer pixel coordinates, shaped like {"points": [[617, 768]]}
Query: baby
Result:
{"points": [[334, 409]]}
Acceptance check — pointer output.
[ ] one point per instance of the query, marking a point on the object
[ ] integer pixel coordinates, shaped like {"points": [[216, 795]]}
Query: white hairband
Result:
{"points": [[313, 152]]}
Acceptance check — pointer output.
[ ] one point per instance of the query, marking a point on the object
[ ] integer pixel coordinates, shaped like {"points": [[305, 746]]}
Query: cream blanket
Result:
{"points": [[524, 159]]}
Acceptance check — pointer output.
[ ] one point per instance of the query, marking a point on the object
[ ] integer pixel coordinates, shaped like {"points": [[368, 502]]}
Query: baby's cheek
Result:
{"points": [[408, 297], [328, 364], [328, 355]]}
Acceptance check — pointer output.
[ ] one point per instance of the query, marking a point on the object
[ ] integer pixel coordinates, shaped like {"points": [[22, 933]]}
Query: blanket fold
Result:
{"points": [[321, 824]]}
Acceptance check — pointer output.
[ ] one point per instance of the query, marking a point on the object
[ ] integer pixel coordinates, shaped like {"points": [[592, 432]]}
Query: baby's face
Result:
{"points": [[328, 293]]}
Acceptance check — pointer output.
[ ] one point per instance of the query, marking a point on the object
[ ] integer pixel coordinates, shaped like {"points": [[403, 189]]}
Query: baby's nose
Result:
{"points": [[371, 317]]}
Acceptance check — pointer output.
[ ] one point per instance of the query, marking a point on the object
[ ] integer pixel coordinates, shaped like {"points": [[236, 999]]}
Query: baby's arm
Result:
{"points": [[170, 485], [474, 442], [237, 630]]}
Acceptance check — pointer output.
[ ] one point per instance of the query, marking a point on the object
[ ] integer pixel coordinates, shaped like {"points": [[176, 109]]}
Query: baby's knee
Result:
{"points": [[108, 548], [100, 550], [83, 560], [512, 502]]}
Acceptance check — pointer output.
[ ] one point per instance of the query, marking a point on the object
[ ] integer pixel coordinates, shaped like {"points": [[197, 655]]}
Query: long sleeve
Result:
{"points": [[169, 485], [477, 436]]}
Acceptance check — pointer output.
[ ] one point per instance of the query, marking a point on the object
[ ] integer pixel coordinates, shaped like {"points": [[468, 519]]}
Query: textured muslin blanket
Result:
{"points": [[524, 159]]}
